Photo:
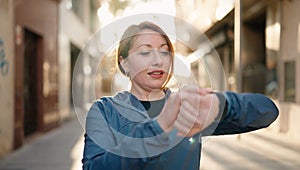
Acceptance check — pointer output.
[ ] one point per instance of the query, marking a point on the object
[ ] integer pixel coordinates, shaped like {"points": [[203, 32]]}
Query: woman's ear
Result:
{"points": [[124, 64]]}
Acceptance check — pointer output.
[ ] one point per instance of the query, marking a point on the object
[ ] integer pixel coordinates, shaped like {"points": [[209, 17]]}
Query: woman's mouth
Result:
{"points": [[156, 74]]}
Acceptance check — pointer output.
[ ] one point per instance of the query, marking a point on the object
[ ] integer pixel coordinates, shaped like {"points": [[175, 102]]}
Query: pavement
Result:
{"points": [[258, 150], [61, 149]]}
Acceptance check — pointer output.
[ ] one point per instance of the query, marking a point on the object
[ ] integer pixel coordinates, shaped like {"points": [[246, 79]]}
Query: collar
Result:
{"points": [[127, 100]]}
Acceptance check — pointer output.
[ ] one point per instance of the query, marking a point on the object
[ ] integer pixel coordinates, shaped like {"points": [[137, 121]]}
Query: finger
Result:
{"points": [[191, 122], [196, 89], [169, 112], [183, 122], [193, 131], [204, 91], [183, 130], [187, 114], [193, 98], [186, 132], [190, 89], [187, 120]]}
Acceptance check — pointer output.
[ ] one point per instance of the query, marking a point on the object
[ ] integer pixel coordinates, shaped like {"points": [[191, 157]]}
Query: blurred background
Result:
{"points": [[257, 42]]}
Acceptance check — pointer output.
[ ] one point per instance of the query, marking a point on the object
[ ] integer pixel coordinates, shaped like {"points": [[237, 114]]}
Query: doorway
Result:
{"points": [[74, 51], [32, 54], [254, 69]]}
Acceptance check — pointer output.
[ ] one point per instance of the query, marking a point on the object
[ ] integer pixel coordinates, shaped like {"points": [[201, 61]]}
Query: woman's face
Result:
{"points": [[149, 61]]}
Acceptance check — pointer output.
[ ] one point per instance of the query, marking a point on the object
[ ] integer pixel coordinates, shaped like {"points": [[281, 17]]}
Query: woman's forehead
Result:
{"points": [[149, 38], [149, 31]]}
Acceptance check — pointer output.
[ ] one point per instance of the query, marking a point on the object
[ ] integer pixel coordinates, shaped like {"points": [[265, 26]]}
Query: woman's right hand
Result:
{"points": [[169, 112], [186, 96]]}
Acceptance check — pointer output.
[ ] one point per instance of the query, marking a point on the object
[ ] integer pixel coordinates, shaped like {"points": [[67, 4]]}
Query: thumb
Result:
{"points": [[204, 91]]}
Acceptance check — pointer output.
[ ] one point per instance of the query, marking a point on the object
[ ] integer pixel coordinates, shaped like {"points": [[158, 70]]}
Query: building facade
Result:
{"points": [[39, 42], [258, 45], [30, 51], [7, 89]]}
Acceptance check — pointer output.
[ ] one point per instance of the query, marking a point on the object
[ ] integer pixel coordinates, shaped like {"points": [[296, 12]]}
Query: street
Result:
{"points": [[256, 150], [61, 149]]}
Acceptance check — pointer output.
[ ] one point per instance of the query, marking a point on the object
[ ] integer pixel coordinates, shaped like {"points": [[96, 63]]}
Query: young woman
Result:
{"points": [[150, 127]]}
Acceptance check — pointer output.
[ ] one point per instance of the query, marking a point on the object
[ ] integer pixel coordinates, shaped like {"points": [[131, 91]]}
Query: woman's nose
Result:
{"points": [[157, 60]]}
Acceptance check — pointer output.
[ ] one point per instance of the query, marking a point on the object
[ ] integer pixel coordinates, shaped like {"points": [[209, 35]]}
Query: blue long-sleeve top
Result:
{"points": [[121, 135]]}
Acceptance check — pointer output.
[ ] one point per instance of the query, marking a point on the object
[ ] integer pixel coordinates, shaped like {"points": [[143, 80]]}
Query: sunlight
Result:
{"points": [[223, 8], [104, 14], [76, 154], [153, 6], [298, 42], [273, 36], [111, 33], [181, 66], [136, 7]]}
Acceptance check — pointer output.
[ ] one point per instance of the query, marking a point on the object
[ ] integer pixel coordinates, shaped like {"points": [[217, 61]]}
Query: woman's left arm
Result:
{"points": [[242, 112]]}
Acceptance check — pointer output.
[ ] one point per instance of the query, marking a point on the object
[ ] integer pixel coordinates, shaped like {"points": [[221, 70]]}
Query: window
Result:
{"points": [[272, 85], [77, 7], [289, 81]]}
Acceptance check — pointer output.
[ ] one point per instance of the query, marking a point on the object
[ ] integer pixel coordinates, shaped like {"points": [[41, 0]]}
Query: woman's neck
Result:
{"points": [[146, 95]]}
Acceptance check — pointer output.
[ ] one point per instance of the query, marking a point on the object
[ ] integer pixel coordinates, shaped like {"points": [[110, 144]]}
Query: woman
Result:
{"points": [[150, 127]]}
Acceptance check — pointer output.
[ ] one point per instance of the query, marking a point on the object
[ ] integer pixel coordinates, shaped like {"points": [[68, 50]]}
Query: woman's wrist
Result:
{"points": [[164, 124], [222, 106]]}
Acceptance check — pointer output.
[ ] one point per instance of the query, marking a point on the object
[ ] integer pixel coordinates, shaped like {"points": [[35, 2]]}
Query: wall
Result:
{"points": [[71, 30], [252, 59], [290, 50], [43, 20], [6, 76]]}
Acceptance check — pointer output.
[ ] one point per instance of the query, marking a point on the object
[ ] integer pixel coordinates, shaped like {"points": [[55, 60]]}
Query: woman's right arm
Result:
{"points": [[95, 157], [106, 148]]}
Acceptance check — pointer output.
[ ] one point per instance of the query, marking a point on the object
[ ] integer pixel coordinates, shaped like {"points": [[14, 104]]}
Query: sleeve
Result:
{"points": [[242, 112], [106, 148]]}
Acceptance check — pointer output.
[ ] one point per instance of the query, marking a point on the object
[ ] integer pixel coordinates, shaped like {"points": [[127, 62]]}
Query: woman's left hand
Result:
{"points": [[197, 111]]}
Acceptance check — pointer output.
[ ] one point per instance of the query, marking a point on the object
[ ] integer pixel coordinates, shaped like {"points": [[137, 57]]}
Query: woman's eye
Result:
{"points": [[144, 53], [164, 53]]}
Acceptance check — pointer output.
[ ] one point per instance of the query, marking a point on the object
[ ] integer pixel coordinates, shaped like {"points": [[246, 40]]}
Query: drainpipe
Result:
{"points": [[238, 44]]}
